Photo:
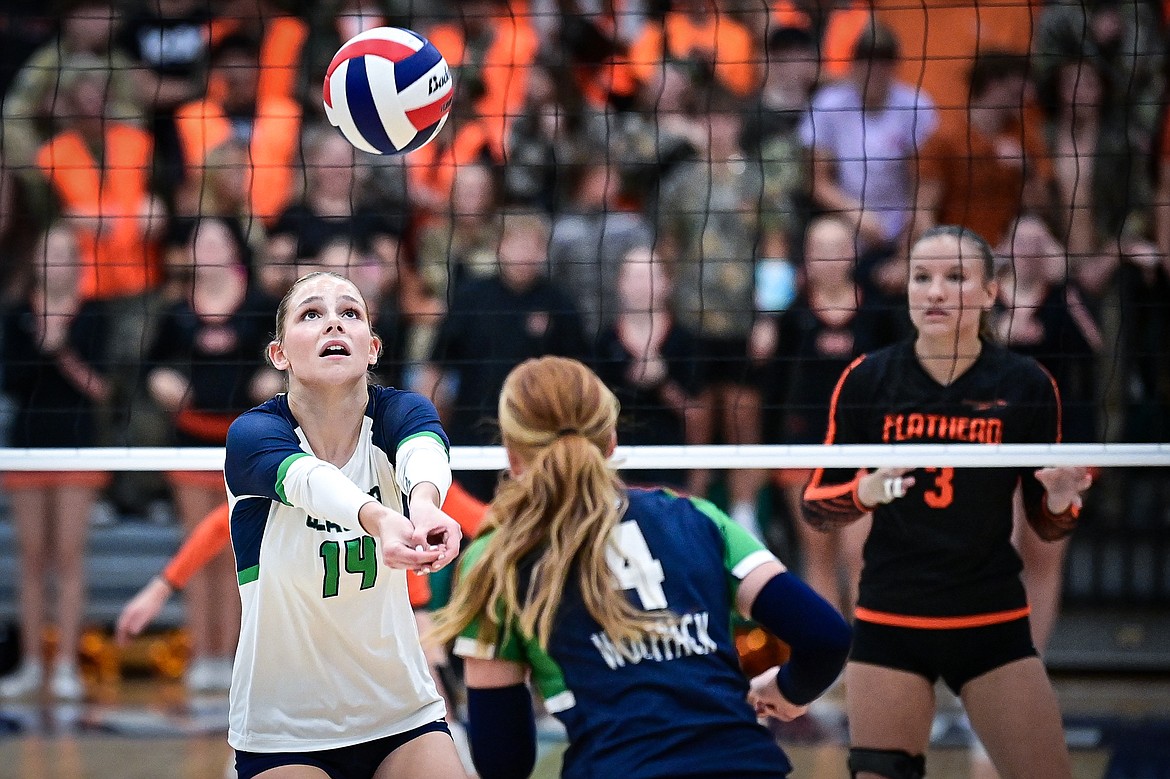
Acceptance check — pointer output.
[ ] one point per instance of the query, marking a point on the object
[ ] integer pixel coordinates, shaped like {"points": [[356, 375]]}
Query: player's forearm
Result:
{"points": [[816, 632]]}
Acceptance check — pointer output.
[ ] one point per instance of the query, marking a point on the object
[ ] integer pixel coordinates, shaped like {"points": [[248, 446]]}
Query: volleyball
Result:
{"points": [[388, 90]]}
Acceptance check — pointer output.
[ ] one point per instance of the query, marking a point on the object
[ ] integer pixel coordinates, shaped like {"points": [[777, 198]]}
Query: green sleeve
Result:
{"points": [[509, 645], [513, 646], [742, 552]]}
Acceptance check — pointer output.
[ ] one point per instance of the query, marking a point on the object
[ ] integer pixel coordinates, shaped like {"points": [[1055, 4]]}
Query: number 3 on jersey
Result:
{"points": [[634, 568], [942, 493]]}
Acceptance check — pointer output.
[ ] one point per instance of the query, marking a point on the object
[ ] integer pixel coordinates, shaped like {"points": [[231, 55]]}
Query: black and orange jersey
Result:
{"points": [[941, 556]]}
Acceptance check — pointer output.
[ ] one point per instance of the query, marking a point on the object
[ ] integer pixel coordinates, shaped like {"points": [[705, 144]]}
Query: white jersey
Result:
{"points": [[329, 652]]}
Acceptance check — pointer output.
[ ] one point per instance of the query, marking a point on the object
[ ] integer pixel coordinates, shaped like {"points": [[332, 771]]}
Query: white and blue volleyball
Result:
{"points": [[388, 90]]}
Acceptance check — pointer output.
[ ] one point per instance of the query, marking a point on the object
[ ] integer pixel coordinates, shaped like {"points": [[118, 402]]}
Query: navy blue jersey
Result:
{"points": [[674, 703], [942, 552]]}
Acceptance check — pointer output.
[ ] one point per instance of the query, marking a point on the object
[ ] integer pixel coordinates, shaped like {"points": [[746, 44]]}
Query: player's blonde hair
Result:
{"points": [[557, 419]]}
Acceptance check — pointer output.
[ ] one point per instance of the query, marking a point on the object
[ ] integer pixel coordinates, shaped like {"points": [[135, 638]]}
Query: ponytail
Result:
{"points": [[554, 517]]}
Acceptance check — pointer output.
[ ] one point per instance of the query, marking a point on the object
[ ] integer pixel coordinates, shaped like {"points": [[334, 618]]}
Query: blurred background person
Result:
{"points": [[460, 243], [31, 113], [865, 132], [831, 323], [592, 236], [330, 207], [991, 166], [167, 40], [651, 364], [1040, 313], [99, 172], [708, 215], [204, 373], [492, 325], [53, 345], [267, 124]]}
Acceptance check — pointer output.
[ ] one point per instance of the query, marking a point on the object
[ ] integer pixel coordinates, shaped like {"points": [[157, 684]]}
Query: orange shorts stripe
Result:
{"points": [[205, 425], [210, 480], [940, 623]]}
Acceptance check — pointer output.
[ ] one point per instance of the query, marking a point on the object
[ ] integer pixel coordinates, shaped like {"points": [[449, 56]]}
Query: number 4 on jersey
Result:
{"points": [[634, 568]]}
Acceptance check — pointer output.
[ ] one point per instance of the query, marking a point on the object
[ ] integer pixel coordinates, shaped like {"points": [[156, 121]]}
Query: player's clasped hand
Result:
{"points": [[884, 485], [1063, 486], [397, 540], [766, 698], [434, 530]]}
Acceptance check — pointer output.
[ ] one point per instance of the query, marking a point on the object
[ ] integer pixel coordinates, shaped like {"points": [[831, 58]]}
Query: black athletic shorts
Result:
{"points": [[726, 361], [958, 655], [359, 761]]}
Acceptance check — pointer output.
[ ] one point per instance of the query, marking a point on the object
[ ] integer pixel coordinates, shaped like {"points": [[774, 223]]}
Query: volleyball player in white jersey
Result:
{"points": [[330, 679]]}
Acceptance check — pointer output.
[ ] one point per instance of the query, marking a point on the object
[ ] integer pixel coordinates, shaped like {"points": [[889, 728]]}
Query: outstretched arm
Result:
{"points": [[207, 540], [816, 632]]}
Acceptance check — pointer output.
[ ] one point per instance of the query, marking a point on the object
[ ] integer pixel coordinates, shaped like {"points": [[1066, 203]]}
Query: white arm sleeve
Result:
{"points": [[321, 489], [423, 458]]}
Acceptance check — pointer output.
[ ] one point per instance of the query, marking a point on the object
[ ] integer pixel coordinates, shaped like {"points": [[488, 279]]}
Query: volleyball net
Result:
{"points": [[729, 145]]}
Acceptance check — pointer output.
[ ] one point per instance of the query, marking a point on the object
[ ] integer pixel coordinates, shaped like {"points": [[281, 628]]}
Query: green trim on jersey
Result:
{"points": [[512, 645], [248, 575], [282, 471], [737, 542], [427, 434]]}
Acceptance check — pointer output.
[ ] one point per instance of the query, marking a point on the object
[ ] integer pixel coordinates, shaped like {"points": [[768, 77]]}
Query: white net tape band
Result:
{"points": [[489, 458]]}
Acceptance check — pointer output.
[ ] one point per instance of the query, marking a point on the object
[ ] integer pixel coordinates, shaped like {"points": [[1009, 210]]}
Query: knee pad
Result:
{"points": [[890, 763]]}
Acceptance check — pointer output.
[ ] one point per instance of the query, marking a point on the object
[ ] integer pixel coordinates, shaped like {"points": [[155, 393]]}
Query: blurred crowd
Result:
{"points": [[709, 200]]}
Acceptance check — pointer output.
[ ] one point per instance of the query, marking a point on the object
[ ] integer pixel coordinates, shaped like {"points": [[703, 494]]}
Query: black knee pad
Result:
{"points": [[890, 763]]}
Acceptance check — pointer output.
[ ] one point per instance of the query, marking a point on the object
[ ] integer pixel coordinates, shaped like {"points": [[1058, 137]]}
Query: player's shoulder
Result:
{"points": [[665, 507], [399, 402], [874, 366], [269, 414], [381, 395], [1014, 368]]}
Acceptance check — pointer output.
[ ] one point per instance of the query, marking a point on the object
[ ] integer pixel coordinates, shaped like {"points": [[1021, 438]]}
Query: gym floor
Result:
{"points": [[1118, 727]]}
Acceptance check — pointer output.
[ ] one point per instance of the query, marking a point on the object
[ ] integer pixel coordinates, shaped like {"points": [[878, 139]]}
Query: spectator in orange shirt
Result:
{"points": [[99, 169], [984, 172], [268, 124], [281, 40], [704, 35], [490, 51]]}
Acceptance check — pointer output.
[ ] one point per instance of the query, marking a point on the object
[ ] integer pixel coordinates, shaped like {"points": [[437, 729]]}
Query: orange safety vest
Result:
{"points": [[280, 56], [119, 261], [841, 33], [203, 126], [504, 69], [737, 63]]}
